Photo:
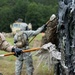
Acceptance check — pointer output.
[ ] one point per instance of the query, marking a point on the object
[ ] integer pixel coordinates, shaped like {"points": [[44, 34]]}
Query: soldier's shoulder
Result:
{"points": [[1, 34]]}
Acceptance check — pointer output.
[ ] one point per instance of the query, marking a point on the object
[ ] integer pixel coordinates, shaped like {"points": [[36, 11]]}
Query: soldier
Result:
{"points": [[4, 45], [21, 41]]}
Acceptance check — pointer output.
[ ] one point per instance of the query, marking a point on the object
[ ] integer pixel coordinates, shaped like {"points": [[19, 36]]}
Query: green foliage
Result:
{"points": [[35, 11], [47, 2], [20, 9]]}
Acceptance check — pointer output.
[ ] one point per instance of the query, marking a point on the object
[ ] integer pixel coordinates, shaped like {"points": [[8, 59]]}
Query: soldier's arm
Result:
{"points": [[4, 45], [33, 33]]}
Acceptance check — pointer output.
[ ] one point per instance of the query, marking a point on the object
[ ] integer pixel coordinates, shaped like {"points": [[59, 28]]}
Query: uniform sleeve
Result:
{"points": [[4, 45], [31, 33], [15, 38]]}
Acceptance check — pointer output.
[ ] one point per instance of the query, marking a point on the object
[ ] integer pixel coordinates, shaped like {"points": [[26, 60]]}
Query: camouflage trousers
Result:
{"points": [[27, 59]]}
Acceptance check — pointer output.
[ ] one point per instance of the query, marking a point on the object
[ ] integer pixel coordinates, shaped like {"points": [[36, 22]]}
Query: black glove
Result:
{"points": [[45, 25], [17, 51]]}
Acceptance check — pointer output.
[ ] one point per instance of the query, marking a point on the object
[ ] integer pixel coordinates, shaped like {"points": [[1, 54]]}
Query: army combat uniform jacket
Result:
{"points": [[4, 45]]}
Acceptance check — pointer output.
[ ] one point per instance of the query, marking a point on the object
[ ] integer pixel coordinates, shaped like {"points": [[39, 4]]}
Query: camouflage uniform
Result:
{"points": [[22, 42], [4, 45]]}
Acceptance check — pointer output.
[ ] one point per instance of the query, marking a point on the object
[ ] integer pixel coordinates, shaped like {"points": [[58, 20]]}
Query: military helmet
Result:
{"points": [[24, 26], [20, 20]]}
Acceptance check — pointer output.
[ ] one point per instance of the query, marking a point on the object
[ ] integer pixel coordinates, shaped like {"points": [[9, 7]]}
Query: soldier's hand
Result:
{"points": [[45, 25], [17, 51]]}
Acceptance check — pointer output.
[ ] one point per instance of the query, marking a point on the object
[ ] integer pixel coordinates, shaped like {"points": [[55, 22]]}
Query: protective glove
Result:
{"points": [[17, 51], [45, 25]]}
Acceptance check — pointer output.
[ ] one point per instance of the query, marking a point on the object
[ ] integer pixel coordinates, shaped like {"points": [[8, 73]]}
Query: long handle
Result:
{"points": [[48, 22], [29, 50]]}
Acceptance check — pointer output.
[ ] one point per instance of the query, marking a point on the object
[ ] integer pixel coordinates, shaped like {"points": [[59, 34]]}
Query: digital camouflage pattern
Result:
{"points": [[4, 45], [21, 41]]}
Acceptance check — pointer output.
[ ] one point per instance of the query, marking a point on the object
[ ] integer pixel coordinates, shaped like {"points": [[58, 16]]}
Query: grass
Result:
{"points": [[7, 66]]}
